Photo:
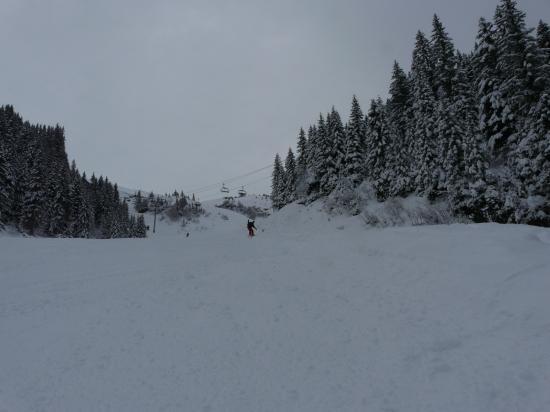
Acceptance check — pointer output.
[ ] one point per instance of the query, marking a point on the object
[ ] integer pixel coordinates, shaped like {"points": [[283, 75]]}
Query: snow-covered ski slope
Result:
{"points": [[311, 315]]}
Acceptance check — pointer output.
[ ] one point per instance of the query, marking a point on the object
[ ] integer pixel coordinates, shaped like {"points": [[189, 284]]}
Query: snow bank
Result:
{"points": [[396, 211], [9, 232]]}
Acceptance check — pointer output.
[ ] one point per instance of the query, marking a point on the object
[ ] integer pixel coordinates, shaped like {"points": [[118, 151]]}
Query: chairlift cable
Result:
{"points": [[214, 186]]}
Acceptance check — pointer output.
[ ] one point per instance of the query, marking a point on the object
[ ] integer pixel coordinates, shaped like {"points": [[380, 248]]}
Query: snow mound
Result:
{"points": [[396, 211], [10, 232]]}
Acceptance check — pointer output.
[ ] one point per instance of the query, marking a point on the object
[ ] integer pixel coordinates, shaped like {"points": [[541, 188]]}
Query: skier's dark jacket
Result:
{"points": [[250, 225]]}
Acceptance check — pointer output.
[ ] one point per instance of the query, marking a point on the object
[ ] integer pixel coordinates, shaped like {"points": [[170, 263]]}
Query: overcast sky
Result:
{"points": [[165, 94]]}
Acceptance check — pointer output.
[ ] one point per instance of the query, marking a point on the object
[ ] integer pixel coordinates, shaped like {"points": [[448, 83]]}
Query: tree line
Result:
{"points": [[41, 194], [472, 128]]}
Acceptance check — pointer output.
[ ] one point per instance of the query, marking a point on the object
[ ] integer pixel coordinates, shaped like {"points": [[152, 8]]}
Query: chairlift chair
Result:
{"points": [[224, 188], [242, 192]]}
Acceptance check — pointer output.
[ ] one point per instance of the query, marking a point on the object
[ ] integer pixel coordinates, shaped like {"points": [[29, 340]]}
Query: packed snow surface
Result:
{"points": [[313, 314]]}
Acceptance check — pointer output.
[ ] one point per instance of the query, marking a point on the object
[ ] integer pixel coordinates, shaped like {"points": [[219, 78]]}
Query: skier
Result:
{"points": [[250, 226]]}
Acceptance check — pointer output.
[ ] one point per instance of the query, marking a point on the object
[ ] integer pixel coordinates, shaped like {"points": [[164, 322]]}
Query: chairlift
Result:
{"points": [[224, 188], [242, 192]]}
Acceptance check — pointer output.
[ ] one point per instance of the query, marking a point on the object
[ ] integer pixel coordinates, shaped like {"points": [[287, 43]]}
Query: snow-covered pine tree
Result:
{"points": [[541, 161], [399, 121], [312, 153], [8, 132], [377, 144], [465, 108], [117, 226], [277, 183], [107, 220], [31, 185], [491, 127], [311, 146], [124, 218], [423, 123], [79, 214], [325, 163], [336, 134], [301, 160], [132, 226], [450, 138], [290, 178], [22, 137], [5, 182], [301, 165], [466, 195], [443, 54], [56, 182], [140, 229], [518, 66], [449, 133], [354, 160], [6, 178], [486, 83], [519, 84], [531, 164], [88, 196]]}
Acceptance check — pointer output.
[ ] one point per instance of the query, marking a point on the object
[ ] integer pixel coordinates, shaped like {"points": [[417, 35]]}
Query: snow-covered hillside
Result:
{"points": [[316, 313]]}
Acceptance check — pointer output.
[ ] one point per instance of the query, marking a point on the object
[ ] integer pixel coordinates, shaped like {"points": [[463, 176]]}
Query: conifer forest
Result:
{"points": [[41, 194], [469, 128]]}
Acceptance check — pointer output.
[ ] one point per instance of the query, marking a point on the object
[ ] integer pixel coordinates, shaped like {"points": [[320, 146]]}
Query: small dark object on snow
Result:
{"points": [[187, 235], [250, 226]]}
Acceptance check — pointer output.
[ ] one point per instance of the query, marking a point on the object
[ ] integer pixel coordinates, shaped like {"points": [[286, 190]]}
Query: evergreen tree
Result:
{"points": [[108, 211], [311, 146], [301, 161], [141, 229], [517, 64], [336, 134], [531, 163], [7, 160], [312, 156], [33, 197], [79, 213], [376, 149], [277, 184], [290, 178], [354, 151], [487, 83], [450, 136], [325, 162], [302, 165], [124, 216], [423, 122], [466, 196], [117, 222], [5, 186], [57, 185], [399, 111], [132, 226], [443, 55]]}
